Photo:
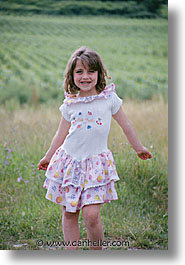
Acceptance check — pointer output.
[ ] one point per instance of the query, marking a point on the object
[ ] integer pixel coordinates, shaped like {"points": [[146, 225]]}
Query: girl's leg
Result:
{"points": [[70, 227], [92, 219]]}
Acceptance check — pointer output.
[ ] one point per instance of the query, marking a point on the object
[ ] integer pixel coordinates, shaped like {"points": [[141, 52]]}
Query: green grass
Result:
{"points": [[34, 51], [140, 216]]}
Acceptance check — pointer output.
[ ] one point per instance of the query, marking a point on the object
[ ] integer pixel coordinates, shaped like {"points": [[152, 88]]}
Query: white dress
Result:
{"points": [[82, 171]]}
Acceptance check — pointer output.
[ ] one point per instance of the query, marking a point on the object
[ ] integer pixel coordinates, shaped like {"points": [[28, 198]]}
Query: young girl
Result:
{"points": [[80, 168]]}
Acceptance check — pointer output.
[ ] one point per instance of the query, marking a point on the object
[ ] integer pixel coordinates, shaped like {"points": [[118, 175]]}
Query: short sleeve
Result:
{"points": [[116, 103], [65, 112]]}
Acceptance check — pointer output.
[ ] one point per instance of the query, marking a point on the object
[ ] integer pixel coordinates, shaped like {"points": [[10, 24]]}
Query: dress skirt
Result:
{"points": [[76, 183]]}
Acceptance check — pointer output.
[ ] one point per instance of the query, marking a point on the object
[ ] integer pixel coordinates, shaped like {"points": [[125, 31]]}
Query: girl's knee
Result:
{"points": [[91, 215]]}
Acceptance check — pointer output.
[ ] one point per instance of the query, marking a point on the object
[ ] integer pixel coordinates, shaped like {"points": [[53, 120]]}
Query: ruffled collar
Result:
{"points": [[71, 99]]}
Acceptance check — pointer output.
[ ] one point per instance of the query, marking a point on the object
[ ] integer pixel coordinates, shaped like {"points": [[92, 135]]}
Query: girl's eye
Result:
{"points": [[80, 71]]}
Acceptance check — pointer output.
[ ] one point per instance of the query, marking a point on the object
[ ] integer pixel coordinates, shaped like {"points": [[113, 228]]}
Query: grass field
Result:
{"points": [[139, 216], [34, 52]]}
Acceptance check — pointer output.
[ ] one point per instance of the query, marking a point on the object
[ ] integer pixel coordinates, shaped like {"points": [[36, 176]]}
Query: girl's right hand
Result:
{"points": [[43, 164], [144, 154]]}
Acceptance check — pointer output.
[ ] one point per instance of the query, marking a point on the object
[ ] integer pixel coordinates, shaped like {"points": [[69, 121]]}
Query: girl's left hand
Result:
{"points": [[144, 154]]}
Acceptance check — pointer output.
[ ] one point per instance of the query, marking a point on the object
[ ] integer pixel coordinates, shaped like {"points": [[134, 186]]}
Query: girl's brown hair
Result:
{"points": [[94, 62]]}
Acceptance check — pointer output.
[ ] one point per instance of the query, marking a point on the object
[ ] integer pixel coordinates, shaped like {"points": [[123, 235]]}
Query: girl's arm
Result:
{"points": [[131, 135], [57, 141]]}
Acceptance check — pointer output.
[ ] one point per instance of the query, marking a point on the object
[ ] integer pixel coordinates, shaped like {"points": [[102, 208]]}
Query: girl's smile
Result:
{"points": [[85, 79]]}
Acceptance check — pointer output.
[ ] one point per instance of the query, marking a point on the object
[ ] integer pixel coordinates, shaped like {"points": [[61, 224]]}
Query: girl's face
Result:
{"points": [[85, 79]]}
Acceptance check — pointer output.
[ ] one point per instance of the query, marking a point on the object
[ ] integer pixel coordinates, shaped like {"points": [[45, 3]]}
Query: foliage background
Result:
{"points": [[127, 8]]}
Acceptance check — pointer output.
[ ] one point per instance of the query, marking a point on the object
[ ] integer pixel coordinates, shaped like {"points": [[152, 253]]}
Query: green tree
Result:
{"points": [[152, 5]]}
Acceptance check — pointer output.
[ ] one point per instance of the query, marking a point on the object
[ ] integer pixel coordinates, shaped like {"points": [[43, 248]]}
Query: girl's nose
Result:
{"points": [[85, 75]]}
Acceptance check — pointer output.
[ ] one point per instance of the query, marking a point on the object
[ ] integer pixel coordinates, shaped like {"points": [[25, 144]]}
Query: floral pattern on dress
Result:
{"points": [[88, 120], [74, 198], [75, 183]]}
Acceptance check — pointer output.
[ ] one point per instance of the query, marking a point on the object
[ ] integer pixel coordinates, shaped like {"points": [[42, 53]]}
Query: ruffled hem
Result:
{"points": [[97, 170], [76, 183], [74, 199], [70, 99]]}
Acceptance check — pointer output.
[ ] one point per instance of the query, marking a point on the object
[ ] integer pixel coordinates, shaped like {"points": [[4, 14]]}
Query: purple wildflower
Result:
{"points": [[26, 181], [19, 179]]}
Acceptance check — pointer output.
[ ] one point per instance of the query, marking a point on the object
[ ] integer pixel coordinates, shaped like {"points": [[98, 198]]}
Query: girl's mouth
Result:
{"points": [[85, 82]]}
